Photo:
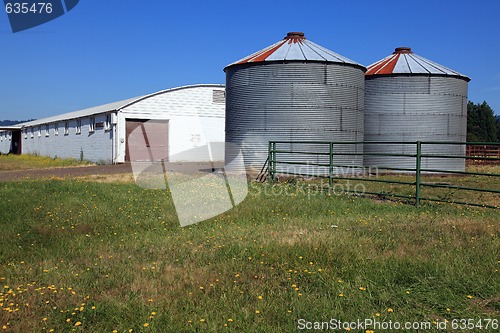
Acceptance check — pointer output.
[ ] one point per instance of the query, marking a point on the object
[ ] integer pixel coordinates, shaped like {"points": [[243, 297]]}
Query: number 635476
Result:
{"points": [[27, 8]]}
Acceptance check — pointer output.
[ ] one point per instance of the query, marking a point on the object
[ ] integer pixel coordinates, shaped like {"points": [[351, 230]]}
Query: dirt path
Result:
{"points": [[64, 172], [126, 169]]}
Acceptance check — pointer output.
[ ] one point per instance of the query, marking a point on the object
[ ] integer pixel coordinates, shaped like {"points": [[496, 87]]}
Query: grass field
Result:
{"points": [[446, 194], [86, 256], [24, 162]]}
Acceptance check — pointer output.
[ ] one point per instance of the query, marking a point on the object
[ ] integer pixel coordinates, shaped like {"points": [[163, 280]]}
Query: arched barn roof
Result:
{"points": [[110, 107]]}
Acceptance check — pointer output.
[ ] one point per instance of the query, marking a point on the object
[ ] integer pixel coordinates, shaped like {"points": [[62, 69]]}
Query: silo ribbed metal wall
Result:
{"points": [[415, 108], [296, 101]]}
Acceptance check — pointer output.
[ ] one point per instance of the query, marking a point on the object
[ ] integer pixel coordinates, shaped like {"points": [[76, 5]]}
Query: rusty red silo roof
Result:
{"points": [[404, 61], [295, 47]]}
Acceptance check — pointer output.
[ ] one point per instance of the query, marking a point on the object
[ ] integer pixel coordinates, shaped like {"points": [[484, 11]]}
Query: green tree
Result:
{"points": [[481, 123], [498, 127]]}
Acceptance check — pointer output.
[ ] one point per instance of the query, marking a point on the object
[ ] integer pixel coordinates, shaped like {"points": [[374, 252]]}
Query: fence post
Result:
{"points": [[270, 162], [417, 173], [330, 172], [274, 161]]}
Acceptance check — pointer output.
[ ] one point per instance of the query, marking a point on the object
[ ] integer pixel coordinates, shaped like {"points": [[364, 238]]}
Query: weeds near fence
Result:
{"points": [[27, 161], [413, 172]]}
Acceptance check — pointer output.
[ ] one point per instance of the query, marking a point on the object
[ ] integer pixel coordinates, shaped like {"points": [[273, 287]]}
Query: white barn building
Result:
{"points": [[159, 126]]}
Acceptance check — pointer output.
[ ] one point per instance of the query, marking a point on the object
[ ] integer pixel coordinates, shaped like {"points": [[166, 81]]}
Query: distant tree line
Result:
{"points": [[482, 124], [13, 122]]}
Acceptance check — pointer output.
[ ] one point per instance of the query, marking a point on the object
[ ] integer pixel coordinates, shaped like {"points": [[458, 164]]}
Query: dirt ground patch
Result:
{"points": [[64, 172], [99, 172]]}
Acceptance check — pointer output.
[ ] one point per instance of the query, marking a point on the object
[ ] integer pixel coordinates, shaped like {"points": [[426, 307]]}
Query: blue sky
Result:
{"points": [[107, 50]]}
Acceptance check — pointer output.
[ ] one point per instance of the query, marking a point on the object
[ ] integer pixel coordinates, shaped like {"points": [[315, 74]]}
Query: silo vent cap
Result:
{"points": [[295, 34], [402, 49]]}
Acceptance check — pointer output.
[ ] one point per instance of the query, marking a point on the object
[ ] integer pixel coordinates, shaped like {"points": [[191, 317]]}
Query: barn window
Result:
{"points": [[56, 129], [31, 132], [219, 97], [107, 124], [39, 130], [47, 130], [92, 124], [78, 126], [66, 128], [25, 132]]}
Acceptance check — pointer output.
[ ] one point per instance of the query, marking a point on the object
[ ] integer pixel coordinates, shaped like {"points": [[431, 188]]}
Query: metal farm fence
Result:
{"points": [[293, 158]]}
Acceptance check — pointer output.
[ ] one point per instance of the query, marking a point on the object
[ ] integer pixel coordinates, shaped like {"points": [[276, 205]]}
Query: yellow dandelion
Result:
{"points": [[68, 320], [44, 319], [4, 327], [115, 331], [341, 295], [362, 288], [230, 320], [469, 296], [78, 323], [145, 325], [257, 311], [377, 314], [202, 320], [390, 310], [259, 297], [153, 313]]}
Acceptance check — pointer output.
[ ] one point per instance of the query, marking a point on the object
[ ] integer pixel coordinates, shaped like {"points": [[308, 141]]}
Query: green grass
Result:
{"points": [[441, 193], [113, 257], [23, 162]]}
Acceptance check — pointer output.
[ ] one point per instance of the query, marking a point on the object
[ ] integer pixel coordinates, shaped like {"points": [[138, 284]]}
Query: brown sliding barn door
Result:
{"points": [[147, 140]]}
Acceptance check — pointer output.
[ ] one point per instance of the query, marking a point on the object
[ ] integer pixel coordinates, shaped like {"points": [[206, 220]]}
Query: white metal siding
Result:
{"points": [[91, 146], [187, 133]]}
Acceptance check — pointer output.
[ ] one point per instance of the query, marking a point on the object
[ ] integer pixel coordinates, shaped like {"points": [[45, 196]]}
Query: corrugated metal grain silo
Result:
{"points": [[295, 90], [409, 98]]}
